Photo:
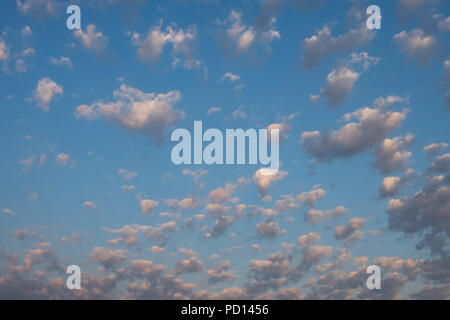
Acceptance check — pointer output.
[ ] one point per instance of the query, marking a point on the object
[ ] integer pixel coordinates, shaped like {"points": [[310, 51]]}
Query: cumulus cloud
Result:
{"points": [[373, 125], [434, 149], [307, 240], [323, 43], [317, 216], [242, 37], [269, 229], [230, 77], [89, 204], [62, 62], [441, 164], [264, 181], [390, 187], [350, 232], [135, 110], [151, 46], [92, 39], [147, 206], [108, 258], [424, 213], [45, 91], [339, 84], [188, 266], [310, 197], [221, 273], [417, 45], [62, 159], [392, 154]]}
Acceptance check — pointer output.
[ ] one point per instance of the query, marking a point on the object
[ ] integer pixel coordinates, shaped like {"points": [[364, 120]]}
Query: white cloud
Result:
{"points": [[416, 44], [372, 127], [230, 77], [391, 186], [148, 205], [339, 84], [323, 43], [62, 61], [92, 39], [151, 46], [137, 111], [264, 181], [62, 159], [26, 31], [45, 91], [242, 37], [269, 229], [89, 204], [434, 149], [392, 154]]}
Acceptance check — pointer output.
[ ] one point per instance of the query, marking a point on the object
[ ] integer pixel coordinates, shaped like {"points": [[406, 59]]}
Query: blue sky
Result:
{"points": [[76, 174]]}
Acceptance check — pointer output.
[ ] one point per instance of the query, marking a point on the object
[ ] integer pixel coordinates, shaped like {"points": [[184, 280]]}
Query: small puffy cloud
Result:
{"points": [[391, 186], [392, 154], [62, 159], [186, 203], [339, 84], [307, 240], [434, 149], [242, 37], [363, 59], [128, 188], [151, 46], [26, 31], [353, 226], [221, 273], [62, 61], [323, 43], [46, 90], [416, 44], [309, 198], [269, 229], [264, 181], [213, 110], [147, 113], [230, 77], [373, 125], [188, 266], [317, 216], [156, 249], [441, 164], [283, 129], [92, 39], [147, 206], [89, 204], [108, 258], [220, 226]]}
